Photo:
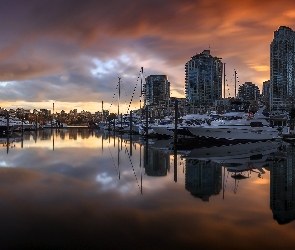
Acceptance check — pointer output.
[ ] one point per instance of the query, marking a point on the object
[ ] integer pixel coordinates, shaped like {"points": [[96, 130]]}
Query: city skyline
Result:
{"points": [[71, 53]]}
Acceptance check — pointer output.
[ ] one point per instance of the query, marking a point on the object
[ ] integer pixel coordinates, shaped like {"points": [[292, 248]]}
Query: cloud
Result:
{"points": [[74, 51]]}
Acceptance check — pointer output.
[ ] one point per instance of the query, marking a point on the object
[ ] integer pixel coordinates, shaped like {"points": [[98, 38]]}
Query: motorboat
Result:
{"points": [[168, 129], [234, 134], [145, 130], [16, 124], [165, 129], [3, 129], [242, 127], [55, 124]]}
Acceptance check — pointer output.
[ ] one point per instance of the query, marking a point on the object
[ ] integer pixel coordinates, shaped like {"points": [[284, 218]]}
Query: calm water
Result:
{"points": [[77, 189]]}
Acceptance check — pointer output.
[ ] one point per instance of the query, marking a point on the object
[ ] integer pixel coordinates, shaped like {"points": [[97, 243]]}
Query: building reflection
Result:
{"points": [[203, 179], [282, 186], [157, 162], [63, 134]]}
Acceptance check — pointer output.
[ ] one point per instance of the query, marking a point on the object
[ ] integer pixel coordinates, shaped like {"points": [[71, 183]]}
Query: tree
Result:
{"points": [[111, 117]]}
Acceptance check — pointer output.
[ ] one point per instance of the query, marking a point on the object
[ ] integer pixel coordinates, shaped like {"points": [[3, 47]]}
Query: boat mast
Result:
{"points": [[52, 115], [119, 93], [224, 80], [102, 118], [140, 92], [235, 84]]}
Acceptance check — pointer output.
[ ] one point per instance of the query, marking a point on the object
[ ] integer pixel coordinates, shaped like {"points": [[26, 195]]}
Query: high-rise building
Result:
{"points": [[203, 79], [282, 68], [157, 89], [249, 91], [266, 91]]}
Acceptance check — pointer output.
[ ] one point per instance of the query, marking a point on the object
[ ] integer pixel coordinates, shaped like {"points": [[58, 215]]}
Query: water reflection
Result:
{"points": [[203, 179], [96, 188], [158, 162], [282, 185]]}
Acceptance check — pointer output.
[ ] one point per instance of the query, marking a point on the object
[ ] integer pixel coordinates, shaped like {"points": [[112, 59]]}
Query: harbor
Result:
{"points": [[147, 125]]}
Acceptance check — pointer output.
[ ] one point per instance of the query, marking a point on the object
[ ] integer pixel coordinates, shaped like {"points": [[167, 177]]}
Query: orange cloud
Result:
{"points": [[51, 40]]}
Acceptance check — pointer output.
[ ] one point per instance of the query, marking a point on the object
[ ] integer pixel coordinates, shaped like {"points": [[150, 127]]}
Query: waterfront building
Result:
{"points": [[282, 68], [222, 105], [45, 111], [203, 79], [167, 108], [156, 90], [248, 91], [266, 91]]}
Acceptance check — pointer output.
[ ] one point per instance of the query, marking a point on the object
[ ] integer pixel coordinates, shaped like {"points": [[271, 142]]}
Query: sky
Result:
{"points": [[72, 52]]}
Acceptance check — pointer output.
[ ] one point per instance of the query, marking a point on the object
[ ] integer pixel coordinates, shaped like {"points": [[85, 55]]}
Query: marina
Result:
{"points": [[147, 125], [81, 188]]}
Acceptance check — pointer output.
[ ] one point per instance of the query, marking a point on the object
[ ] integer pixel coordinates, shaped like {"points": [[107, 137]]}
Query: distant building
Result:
{"points": [[156, 90], [45, 111], [248, 91], [203, 79], [282, 68]]}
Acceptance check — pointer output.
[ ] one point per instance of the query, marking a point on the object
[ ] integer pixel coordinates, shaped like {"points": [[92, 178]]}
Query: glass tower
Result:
{"points": [[157, 89], [282, 68], [203, 79]]}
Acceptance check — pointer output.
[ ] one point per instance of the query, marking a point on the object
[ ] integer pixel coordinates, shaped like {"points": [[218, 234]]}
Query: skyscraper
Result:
{"points": [[157, 89], [266, 91], [249, 91], [203, 79], [282, 68]]}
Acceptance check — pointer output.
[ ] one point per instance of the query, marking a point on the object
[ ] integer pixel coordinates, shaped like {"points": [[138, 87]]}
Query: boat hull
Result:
{"points": [[234, 134]]}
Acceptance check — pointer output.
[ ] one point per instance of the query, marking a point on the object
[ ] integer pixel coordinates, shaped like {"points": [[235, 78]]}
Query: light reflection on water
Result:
{"points": [[75, 188]]}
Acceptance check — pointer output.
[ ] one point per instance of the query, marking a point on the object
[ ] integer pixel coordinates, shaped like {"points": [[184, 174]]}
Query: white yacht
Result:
{"points": [[240, 127], [55, 124], [17, 124], [165, 129]]}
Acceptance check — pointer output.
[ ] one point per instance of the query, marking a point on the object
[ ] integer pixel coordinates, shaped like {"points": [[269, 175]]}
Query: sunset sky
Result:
{"points": [[71, 52]]}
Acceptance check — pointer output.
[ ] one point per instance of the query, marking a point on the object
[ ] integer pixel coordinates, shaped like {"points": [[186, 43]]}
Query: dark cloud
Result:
{"points": [[56, 43]]}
